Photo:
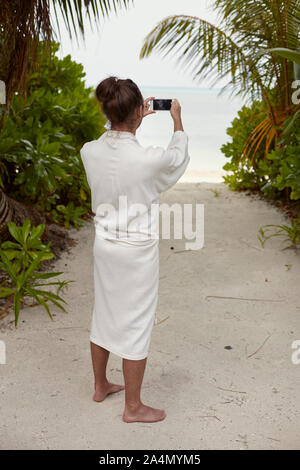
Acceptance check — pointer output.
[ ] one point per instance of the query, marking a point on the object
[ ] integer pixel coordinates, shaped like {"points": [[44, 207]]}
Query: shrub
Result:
{"points": [[276, 174], [21, 260], [286, 164], [245, 174], [41, 137]]}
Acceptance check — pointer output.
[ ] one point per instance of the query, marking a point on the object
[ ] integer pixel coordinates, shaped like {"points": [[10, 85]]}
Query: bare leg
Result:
{"points": [[135, 410], [102, 386]]}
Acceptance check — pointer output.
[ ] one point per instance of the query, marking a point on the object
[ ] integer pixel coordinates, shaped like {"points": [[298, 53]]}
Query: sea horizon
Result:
{"points": [[206, 114]]}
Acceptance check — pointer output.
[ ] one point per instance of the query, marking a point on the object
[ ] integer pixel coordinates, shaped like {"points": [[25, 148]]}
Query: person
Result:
{"points": [[125, 253]]}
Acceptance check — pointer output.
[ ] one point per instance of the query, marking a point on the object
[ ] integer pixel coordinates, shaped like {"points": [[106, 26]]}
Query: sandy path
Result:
{"points": [[215, 398]]}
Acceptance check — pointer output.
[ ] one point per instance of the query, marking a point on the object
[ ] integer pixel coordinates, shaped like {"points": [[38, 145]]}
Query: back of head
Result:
{"points": [[119, 99]]}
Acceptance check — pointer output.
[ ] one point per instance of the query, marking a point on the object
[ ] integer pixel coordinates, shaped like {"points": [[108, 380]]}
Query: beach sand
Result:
{"points": [[195, 176], [220, 359]]}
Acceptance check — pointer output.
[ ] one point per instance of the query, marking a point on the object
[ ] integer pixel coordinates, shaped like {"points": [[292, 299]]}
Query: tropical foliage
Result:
{"points": [[41, 138], [233, 50], [48, 115], [289, 233], [276, 175], [21, 260], [23, 24]]}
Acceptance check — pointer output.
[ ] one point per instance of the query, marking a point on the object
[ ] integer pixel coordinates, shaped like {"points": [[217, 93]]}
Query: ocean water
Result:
{"points": [[205, 117]]}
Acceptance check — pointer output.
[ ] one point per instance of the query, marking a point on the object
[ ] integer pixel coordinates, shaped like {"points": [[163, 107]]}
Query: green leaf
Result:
{"points": [[45, 275], [26, 230], [17, 306], [11, 254], [289, 54], [42, 302], [46, 294], [8, 266], [46, 255], [6, 291], [37, 232], [15, 231], [9, 244], [33, 266]]}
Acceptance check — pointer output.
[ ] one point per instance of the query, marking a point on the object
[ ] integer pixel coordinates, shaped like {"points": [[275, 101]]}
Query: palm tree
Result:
{"points": [[287, 54], [23, 24], [294, 56], [232, 51]]}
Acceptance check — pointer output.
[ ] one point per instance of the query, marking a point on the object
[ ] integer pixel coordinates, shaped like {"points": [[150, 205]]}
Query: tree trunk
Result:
{"points": [[15, 211]]}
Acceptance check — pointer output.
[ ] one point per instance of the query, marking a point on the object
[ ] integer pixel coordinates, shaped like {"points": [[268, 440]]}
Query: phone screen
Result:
{"points": [[162, 105]]}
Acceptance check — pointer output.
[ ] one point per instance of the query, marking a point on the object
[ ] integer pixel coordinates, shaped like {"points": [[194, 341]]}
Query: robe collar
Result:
{"points": [[119, 134]]}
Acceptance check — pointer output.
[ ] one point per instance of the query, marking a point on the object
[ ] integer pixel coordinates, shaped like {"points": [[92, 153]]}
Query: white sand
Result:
{"points": [[230, 293], [195, 176]]}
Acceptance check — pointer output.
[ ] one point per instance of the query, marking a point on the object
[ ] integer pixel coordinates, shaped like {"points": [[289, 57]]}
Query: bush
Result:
{"points": [[286, 164], [246, 175], [275, 175], [41, 137], [21, 260]]}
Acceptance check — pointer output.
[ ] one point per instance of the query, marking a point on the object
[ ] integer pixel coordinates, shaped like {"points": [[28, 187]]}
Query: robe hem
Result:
{"points": [[124, 356]]}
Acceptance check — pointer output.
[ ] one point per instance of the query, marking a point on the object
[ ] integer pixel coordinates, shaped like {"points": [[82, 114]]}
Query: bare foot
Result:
{"points": [[144, 414], [101, 393]]}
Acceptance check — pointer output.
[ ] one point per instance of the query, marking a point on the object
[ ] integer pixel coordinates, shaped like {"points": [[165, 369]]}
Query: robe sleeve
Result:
{"points": [[83, 159], [172, 162]]}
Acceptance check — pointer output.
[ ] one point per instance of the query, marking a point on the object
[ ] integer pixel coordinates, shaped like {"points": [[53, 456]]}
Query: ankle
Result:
{"points": [[133, 406], [101, 384]]}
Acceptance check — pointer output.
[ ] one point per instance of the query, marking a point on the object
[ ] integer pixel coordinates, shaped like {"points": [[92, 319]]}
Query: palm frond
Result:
{"points": [[266, 23], [266, 131], [73, 12], [204, 47], [289, 54], [23, 24]]}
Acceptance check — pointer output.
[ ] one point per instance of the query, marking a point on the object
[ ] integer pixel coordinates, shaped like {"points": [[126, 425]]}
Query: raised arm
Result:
{"points": [[176, 115], [173, 161]]}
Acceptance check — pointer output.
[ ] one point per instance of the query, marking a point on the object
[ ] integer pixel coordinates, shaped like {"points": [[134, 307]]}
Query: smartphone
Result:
{"points": [[162, 105]]}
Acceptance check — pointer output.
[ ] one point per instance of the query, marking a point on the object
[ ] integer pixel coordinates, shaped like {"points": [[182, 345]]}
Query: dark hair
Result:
{"points": [[119, 98]]}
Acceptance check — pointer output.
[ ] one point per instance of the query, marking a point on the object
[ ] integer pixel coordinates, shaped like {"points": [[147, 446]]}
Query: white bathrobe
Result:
{"points": [[125, 180]]}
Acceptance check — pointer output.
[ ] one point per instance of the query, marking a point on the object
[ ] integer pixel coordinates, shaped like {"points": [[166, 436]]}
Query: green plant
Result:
{"points": [[245, 174], [41, 137], [290, 232], [27, 245], [277, 174], [215, 191], [24, 277], [69, 214], [284, 163]]}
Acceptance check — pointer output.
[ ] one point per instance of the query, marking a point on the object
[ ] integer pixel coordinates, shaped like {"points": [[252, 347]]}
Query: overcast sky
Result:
{"points": [[115, 48]]}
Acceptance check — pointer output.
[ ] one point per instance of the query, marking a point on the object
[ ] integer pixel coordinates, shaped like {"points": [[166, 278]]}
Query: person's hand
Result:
{"points": [[176, 115], [147, 105], [175, 110]]}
